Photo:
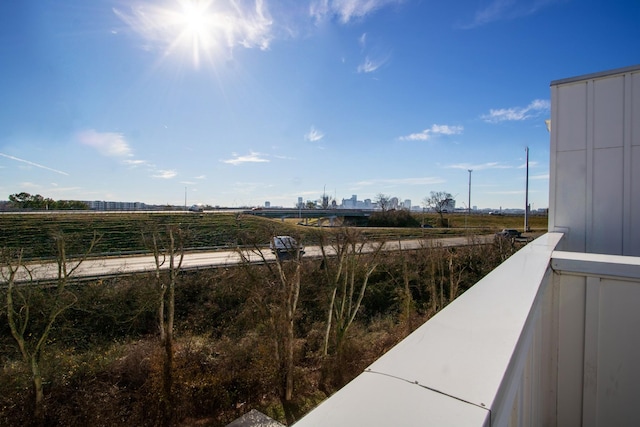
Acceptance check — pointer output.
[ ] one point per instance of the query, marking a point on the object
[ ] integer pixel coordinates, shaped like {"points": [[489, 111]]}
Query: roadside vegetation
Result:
{"points": [[182, 347]]}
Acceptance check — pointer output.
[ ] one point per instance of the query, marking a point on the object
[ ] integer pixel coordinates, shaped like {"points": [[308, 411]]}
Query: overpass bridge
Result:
{"points": [[351, 216]]}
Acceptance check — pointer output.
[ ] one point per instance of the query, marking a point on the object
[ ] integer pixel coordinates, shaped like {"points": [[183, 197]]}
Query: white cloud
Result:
{"points": [[110, 144], [534, 109], [363, 40], [165, 174], [498, 10], [33, 164], [532, 164], [252, 157], [313, 135], [346, 10], [479, 167], [544, 176], [369, 65], [401, 181], [135, 163], [435, 130]]}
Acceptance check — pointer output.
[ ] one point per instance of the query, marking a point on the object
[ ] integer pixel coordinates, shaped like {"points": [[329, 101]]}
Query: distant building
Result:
{"points": [[449, 205], [406, 204], [325, 201], [393, 203], [351, 203], [100, 205], [267, 204]]}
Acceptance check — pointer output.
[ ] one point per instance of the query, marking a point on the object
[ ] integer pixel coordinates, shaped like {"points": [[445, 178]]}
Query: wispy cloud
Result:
{"points": [[165, 174], [135, 163], [110, 144], [401, 181], [313, 135], [499, 10], [37, 165], [433, 131], [370, 65], [346, 10], [507, 192], [479, 167], [542, 176], [363, 40], [252, 157], [532, 164], [534, 109]]}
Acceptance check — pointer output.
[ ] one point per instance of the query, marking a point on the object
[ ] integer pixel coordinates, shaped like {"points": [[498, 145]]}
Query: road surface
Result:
{"points": [[115, 266]]}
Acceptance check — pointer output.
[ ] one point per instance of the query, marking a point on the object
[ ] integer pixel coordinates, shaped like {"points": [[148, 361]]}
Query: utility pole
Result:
{"points": [[526, 195], [469, 201]]}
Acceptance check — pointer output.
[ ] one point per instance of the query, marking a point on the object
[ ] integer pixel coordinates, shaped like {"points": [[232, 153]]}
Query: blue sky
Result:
{"points": [[235, 103]]}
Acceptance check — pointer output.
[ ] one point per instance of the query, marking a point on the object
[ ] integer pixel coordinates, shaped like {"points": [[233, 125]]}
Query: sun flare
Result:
{"points": [[197, 28], [201, 29]]}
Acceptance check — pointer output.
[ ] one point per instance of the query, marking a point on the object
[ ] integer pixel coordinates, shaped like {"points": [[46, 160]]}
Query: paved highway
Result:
{"points": [[115, 266]]}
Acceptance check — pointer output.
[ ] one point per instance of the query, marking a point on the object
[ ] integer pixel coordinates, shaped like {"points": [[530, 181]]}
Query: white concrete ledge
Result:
{"points": [[599, 265], [456, 368]]}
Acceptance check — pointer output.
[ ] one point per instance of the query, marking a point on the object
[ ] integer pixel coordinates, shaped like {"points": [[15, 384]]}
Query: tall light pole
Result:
{"points": [[526, 195], [469, 201], [469, 206]]}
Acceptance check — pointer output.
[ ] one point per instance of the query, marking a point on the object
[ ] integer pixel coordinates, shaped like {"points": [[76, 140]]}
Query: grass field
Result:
{"points": [[122, 232]]}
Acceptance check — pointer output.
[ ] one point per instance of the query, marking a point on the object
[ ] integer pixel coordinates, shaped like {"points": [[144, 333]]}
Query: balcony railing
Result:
{"points": [[547, 338]]}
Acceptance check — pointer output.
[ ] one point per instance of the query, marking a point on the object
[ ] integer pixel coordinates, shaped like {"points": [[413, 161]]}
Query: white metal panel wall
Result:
{"points": [[595, 162], [632, 244], [598, 351], [614, 347], [571, 292]]}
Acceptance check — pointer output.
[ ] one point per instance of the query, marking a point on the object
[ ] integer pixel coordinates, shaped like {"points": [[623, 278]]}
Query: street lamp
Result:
{"points": [[526, 196], [469, 205]]}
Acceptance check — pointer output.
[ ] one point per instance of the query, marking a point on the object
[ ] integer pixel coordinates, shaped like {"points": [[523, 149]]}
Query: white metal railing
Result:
{"points": [[548, 338], [471, 364], [598, 341]]}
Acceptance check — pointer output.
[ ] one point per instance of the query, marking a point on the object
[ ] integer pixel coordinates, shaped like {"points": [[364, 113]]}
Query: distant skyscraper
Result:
{"points": [[267, 204], [393, 203], [407, 204]]}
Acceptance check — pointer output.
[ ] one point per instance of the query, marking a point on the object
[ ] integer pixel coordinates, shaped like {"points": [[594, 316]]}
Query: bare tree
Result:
{"points": [[168, 248], [439, 201], [356, 260], [279, 303], [408, 273], [383, 201], [30, 335]]}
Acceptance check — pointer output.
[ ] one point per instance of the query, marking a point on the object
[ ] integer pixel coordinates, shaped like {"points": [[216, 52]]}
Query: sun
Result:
{"points": [[197, 28], [201, 29]]}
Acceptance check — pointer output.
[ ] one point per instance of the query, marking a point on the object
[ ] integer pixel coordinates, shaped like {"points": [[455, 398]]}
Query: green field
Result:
{"points": [[104, 359], [121, 233]]}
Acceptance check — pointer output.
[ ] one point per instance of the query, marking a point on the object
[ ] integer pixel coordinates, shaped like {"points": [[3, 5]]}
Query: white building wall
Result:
{"points": [[595, 162]]}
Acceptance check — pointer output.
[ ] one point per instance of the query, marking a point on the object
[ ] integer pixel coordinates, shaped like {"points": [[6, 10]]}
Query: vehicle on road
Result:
{"points": [[509, 233], [285, 246]]}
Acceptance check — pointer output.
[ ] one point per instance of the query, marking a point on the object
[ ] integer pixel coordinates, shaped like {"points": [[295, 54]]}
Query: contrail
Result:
{"points": [[33, 164]]}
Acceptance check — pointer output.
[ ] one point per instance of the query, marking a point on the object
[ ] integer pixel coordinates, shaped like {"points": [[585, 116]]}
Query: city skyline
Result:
{"points": [[235, 104]]}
